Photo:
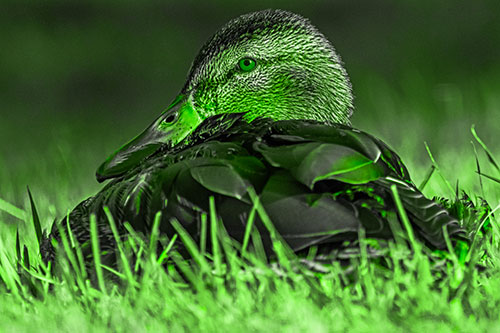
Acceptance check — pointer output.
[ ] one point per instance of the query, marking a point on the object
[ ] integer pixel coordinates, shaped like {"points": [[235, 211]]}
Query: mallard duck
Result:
{"points": [[265, 109]]}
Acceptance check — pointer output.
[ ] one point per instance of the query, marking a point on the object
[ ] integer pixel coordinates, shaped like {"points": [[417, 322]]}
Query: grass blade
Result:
{"points": [[230, 247], [216, 253], [36, 219], [203, 234], [248, 229], [438, 170], [167, 249], [404, 219], [26, 257], [190, 245], [495, 179], [70, 254], [115, 272], [458, 275], [119, 245], [485, 148], [364, 268], [136, 244], [187, 270], [427, 178], [12, 210], [18, 246], [155, 233], [258, 246], [478, 167], [76, 245], [8, 272], [281, 248], [96, 252]]}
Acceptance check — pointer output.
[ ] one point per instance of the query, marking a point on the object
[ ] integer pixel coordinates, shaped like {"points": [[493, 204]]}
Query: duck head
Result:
{"points": [[270, 63]]}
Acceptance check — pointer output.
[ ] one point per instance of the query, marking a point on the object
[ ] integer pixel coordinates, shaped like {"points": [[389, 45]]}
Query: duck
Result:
{"points": [[264, 116]]}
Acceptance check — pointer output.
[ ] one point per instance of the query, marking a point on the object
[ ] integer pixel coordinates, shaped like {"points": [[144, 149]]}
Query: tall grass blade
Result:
{"points": [[364, 268], [281, 248], [8, 272], [258, 245], [138, 258], [458, 271], [203, 234], [26, 257], [216, 253], [438, 169], [187, 270], [18, 246], [76, 245], [155, 234], [70, 231], [134, 238], [248, 229], [12, 210], [404, 219], [230, 247], [427, 178], [190, 245], [115, 272], [96, 251], [166, 250], [36, 220], [312, 252], [495, 179], [44, 278], [70, 254], [119, 244], [485, 148], [136, 243], [478, 168]]}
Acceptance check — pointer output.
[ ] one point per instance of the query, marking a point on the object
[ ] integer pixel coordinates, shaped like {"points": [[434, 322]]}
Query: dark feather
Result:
{"points": [[318, 183]]}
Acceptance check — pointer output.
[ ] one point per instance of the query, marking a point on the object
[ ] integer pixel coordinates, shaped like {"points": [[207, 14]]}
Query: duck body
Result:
{"points": [[319, 184], [265, 109]]}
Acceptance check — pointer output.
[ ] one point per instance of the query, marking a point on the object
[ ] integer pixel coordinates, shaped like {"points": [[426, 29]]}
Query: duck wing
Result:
{"points": [[318, 183]]}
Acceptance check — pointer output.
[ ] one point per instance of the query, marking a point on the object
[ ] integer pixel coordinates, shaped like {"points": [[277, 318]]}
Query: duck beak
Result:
{"points": [[173, 125]]}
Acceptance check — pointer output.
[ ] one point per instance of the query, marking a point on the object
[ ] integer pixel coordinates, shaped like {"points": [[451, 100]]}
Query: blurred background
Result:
{"points": [[79, 78]]}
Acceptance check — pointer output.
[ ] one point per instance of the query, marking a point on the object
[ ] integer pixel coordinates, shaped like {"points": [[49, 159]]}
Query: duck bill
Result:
{"points": [[173, 125]]}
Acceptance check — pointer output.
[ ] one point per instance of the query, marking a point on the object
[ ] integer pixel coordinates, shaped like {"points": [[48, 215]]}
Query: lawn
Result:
{"points": [[56, 154]]}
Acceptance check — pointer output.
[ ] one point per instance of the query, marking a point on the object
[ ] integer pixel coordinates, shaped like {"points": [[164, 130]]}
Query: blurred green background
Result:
{"points": [[79, 78]]}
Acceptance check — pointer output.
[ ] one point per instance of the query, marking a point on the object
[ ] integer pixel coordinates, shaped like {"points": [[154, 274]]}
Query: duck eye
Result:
{"points": [[247, 64], [171, 118]]}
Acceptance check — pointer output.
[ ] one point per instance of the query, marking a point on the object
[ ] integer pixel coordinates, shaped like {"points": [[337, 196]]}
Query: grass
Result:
{"points": [[233, 287]]}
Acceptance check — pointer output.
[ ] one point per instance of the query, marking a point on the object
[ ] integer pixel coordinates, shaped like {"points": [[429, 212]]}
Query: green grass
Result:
{"points": [[226, 290]]}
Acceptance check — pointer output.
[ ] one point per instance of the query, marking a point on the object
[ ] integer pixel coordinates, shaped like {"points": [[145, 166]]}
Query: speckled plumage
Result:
{"points": [[287, 47]]}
